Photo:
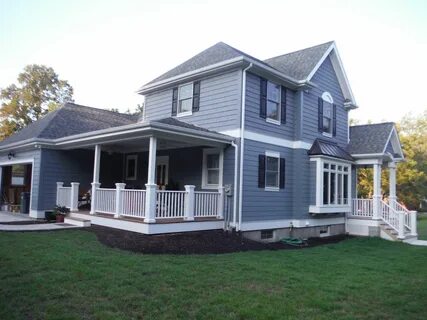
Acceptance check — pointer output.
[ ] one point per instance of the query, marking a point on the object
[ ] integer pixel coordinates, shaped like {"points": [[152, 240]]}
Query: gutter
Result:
{"points": [[242, 142]]}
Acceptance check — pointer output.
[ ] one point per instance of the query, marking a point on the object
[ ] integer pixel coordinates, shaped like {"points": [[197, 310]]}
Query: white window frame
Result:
{"points": [[272, 154], [186, 113], [327, 97], [131, 157], [207, 152], [320, 207], [279, 106]]}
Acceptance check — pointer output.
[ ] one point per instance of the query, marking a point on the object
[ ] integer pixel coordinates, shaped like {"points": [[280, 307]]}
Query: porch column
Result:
{"points": [[221, 199], [95, 181], [74, 196], [151, 186], [377, 192], [392, 187], [119, 199], [189, 202]]}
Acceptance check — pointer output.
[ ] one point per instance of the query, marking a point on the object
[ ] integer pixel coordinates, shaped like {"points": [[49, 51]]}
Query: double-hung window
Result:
{"points": [[212, 168], [272, 171], [185, 99], [327, 115], [131, 166], [273, 102]]}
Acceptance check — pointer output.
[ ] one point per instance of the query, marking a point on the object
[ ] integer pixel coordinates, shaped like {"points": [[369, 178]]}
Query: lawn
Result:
{"points": [[70, 275], [422, 226]]}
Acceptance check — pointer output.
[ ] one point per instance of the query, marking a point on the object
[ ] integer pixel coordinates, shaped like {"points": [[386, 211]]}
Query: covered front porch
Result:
{"points": [[155, 179]]}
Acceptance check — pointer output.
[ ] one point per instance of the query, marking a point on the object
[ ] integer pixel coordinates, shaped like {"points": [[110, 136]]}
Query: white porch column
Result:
{"points": [[221, 203], [119, 197], [377, 192], [151, 186], [413, 218], [95, 180], [74, 196], [58, 185], [189, 202], [401, 231], [392, 186]]}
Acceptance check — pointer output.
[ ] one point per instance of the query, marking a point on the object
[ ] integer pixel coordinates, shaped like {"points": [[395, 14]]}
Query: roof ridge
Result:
{"points": [[68, 106], [373, 124], [299, 50], [54, 114]]}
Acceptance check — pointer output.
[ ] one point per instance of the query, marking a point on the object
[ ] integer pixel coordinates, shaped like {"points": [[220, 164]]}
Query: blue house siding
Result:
{"points": [[253, 121], [304, 172], [219, 108], [65, 166], [257, 203], [326, 80]]}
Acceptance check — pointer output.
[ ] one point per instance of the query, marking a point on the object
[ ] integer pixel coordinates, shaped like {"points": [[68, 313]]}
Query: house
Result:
{"points": [[226, 141]]}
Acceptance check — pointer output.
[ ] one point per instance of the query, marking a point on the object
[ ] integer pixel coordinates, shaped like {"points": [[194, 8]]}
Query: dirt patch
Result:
{"points": [[203, 242]]}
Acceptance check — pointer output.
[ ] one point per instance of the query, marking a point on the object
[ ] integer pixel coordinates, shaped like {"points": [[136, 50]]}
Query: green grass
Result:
{"points": [[422, 226], [70, 275]]}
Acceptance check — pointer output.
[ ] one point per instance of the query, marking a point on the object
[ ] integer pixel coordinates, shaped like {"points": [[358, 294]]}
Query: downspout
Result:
{"points": [[242, 142], [236, 155]]}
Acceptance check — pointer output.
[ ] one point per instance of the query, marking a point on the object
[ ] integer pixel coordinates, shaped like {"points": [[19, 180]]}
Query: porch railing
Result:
{"points": [[169, 204], [390, 216], [363, 208], [206, 204], [67, 196]]}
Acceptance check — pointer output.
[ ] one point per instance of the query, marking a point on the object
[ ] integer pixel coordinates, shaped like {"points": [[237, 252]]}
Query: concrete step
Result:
{"points": [[77, 221]]}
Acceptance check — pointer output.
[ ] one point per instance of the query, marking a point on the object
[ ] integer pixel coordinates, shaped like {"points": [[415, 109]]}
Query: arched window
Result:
{"points": [[327, 113]]}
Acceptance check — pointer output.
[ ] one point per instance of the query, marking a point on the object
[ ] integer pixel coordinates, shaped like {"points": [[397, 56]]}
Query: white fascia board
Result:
{"points": [[339, 70], [291, 144], [323, 157], [330, 209], [395, 142]]}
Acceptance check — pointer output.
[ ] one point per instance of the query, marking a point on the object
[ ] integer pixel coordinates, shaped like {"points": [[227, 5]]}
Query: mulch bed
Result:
{"points": [[27, 222], [204, 242]]}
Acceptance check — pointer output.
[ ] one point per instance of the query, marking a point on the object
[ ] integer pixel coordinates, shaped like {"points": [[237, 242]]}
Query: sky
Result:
{"points": [[108, 49]]}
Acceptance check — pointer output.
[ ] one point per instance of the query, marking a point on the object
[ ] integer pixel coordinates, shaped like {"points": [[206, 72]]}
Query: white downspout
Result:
{"points": [[236, 155], [242, 141]]}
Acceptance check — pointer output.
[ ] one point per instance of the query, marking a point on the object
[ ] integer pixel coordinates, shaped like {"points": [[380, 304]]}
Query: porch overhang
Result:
{"points": [[172, 129]]}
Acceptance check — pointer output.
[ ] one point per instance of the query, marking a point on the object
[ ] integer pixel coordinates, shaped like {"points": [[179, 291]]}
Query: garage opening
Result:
{"points": [[16, 188]]}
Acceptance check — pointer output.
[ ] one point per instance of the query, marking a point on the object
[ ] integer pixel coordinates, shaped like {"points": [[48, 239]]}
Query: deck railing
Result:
{"points": [[186, 204], [390, 216], [206, 204], [362, 208], [67, 196]]}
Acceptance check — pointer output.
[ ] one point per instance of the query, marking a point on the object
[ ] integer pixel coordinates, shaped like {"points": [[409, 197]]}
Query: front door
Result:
{"points": [[162, 171]]}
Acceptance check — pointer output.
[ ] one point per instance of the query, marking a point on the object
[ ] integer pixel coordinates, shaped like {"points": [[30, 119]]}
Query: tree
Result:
{"points": [[39, 91]]}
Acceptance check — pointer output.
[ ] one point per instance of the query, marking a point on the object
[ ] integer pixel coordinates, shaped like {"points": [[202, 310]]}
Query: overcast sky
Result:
{"points": [[107, 49]]}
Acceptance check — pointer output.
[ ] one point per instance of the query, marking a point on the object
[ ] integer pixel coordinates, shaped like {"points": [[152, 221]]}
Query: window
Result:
{"points": [[212, 168], [162, 170], [273, 102], [272, 171], [131, 166], [267, 234], [18, 175], [333, 189], [335, 184], [327, 113], [185, 99]]}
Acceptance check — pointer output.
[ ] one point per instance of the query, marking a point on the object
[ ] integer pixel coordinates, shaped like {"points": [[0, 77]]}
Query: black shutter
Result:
{"points": [[334, 120], [174, 101], [320, 111], [283, 105], [196, 96], [263, 99], [261, 171], [282, 173]]}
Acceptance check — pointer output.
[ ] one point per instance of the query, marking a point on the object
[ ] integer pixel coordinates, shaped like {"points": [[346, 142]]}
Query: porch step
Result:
{"points": [[77, 221]]}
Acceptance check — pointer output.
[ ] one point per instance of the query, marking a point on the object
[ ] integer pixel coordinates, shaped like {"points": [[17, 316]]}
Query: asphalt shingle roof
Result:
{"points": [[369, 138], [330, 149], [299, 64], [68, 120]]}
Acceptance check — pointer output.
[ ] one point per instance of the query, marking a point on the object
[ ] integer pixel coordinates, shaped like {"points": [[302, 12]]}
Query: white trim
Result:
{"points": [[206, 152], [326, 96], [235, 133], [395, 143], [259, 137], [279, 105], [272, 154], [17, 161], [131, 157], [339, 70], [287, 223], [185, 113], [37, 214], [330, 209]]}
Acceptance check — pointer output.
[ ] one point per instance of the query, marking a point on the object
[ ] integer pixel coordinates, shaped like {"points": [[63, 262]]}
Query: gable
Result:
{"points": [[326, 79]]}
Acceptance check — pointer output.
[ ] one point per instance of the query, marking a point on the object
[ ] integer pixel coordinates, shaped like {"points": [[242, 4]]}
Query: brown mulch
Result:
{"points": [[27, 222], [203, 242]]}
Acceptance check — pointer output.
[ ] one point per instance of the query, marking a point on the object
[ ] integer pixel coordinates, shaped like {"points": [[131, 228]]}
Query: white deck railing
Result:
{"points": [[133, 203], [63, 197], [186, 204], [362, 208], [390, 216], [105, 200], [170, 204], [206, 204]]}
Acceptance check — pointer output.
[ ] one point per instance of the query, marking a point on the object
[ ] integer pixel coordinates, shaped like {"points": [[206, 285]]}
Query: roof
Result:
{"points": [[299, 64], [219, 52], [70, 119], [369, 138], [330, 149]]}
